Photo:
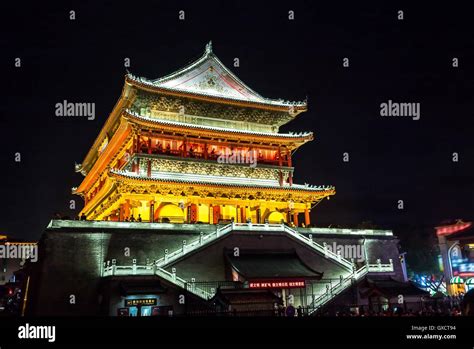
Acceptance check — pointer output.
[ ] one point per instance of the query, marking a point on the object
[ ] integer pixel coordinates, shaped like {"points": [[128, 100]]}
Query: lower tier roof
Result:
{"points": [[219, 181]]}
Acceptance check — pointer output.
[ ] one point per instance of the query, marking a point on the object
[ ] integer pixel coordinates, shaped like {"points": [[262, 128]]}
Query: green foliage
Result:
{"points": [[422, 250]]}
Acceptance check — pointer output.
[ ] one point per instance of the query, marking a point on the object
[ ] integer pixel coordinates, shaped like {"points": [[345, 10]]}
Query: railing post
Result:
{"points": [[134, 266], [166, 255], [201, 238], [114, 265], [173, 272], [379, 264], [391, 264], [310, 237], [184, 246]]}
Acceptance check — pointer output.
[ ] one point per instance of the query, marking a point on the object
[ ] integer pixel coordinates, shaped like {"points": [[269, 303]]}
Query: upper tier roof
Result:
{"points": [[209, 77], [301, 136]]}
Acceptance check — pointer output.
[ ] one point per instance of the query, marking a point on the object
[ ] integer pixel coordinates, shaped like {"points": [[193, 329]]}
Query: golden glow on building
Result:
{"points": [[195, 146]]}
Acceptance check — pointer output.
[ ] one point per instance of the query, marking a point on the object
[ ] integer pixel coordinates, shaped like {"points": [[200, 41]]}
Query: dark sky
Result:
{"points": [[391, 158]]}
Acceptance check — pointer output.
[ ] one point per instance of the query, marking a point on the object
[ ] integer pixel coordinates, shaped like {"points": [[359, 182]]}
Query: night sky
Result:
{"points": [[391, 158]]}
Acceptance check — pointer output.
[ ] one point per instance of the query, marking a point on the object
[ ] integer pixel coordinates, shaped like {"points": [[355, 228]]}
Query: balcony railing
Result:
{"points": [[210, 156], [379, 267]]}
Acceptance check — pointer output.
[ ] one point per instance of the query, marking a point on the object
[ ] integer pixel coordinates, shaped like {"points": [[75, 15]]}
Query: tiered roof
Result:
{"points": [[209, 77], [301, 136], [220, 181], [204, 82]]}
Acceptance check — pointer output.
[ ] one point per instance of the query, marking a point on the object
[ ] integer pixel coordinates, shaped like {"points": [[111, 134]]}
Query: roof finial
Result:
{"points": [[209, 47]]}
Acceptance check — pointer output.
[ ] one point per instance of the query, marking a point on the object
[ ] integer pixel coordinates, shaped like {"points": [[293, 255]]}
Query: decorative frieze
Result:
{"points": [[210, 169], [149, 104]]}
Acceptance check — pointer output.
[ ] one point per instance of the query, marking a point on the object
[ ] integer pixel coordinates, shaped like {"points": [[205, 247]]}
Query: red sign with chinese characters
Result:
{"points": [[277, 284], [450, 229]]}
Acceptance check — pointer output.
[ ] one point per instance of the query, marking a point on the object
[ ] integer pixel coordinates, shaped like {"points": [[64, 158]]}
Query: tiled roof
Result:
{"points": [[136, 116], [208, 76], [218, 181]]}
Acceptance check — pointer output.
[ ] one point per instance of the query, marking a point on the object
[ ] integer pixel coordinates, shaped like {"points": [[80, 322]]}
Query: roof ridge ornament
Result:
{"points": [[209, 48]]}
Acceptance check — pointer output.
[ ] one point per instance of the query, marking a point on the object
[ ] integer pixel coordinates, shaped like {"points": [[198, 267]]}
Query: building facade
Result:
{"points": [[190, 209], [197, 145], [195, 269], [456, 245]]}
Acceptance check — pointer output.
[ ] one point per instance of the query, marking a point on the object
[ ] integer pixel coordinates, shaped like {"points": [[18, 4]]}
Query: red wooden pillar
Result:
{"points": [[290, 178], [205, 151], [152, 211], [216, 214], [259, 220], [280, 163], [185, 150], [137, 143], [149, 145], [121, 209], [193, 213], [126, 208], [242, 214], [148, 170], [307, 219], [295, 218]]}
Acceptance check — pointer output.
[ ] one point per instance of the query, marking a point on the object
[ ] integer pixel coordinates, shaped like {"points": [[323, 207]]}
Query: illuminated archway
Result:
{"points": [[275, 217], [169, 213]]}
